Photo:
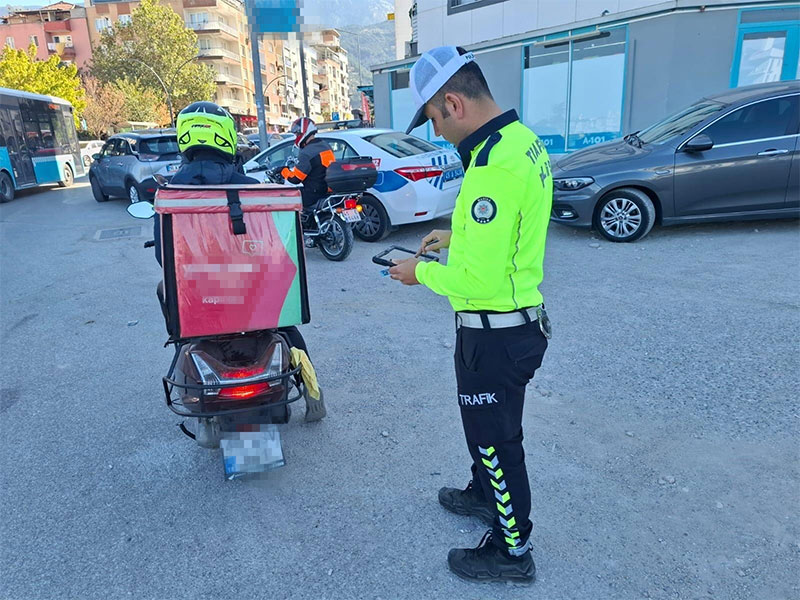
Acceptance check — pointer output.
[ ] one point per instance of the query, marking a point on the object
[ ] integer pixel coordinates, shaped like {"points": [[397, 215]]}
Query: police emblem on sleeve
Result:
{"points": [[483, 210]]}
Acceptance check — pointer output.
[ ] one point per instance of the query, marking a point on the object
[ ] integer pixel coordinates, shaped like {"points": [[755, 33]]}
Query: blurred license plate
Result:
{"points": [[351, 216], [171, 168]]}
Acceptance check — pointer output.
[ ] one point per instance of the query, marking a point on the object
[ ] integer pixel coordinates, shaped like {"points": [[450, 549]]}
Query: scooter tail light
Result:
{"points": [[350, 204], [214, 373]]}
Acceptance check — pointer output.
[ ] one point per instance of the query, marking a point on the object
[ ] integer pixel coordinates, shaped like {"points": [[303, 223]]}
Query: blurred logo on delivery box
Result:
{"points": [[253, 247]]}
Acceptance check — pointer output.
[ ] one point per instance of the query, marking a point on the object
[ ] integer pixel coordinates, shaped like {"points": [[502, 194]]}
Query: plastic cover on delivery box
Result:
{"points": [[218, 282]]}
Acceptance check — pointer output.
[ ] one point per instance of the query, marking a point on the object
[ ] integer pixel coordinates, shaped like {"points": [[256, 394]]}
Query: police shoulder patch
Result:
{"points": [[484, 210]]}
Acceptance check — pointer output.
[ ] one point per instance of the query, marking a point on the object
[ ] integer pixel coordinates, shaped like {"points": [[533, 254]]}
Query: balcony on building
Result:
{"points": [[231, 6], [228, 78], [217, 52], [213, 27], [57, 26]]}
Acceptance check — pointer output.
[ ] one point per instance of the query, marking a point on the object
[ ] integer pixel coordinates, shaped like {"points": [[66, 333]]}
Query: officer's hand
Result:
{"points": [[404, 271], [435, 241]]}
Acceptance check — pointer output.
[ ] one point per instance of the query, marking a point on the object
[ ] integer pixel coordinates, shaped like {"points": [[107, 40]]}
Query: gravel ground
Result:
{"points": [[662, 436]]}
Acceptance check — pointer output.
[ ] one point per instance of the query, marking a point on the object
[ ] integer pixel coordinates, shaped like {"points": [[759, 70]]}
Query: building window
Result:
{"points": [[764, 47], [456, 6], [34, 39], [272, 69], [572, 91], [125, 19], [197, 19], [399, 79], [102, 24]]}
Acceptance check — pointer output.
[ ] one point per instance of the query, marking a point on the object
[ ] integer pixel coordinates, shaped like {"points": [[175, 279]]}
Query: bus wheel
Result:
{"points": [[6, 188], [69, 177]]}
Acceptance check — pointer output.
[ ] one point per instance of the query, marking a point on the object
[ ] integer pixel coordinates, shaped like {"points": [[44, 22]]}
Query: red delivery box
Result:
{"points": [[233, 258]]}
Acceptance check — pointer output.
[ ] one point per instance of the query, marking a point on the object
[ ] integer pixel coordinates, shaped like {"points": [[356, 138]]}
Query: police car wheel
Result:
{"points": [[374, 224], [625, 215]]}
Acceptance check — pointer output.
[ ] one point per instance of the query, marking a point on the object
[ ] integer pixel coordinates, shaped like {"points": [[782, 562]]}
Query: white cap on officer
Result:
{"points": [[433, 69]]}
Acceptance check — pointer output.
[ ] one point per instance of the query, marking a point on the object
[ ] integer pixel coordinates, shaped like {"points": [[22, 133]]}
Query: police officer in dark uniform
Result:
{"points": [[494, 267]]}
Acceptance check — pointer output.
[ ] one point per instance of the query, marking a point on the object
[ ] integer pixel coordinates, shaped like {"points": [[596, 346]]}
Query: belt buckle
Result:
{"points": [[544, 322]]}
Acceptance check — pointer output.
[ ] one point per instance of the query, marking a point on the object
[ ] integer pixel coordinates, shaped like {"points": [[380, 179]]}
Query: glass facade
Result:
{"points": [[768, 47], [573, 90]]}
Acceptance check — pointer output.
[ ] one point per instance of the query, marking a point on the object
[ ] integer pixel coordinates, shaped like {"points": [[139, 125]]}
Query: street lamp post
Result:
{"points": [[167, 91], [163, 85]]}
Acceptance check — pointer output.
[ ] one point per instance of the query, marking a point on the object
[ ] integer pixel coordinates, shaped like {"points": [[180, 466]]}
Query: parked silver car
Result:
{"points": [[126, 164], [728, 157], [89, 149]]}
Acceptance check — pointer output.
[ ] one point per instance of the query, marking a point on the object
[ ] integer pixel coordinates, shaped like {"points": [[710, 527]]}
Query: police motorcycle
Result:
{"points": [[328, 226], [233, 375]]}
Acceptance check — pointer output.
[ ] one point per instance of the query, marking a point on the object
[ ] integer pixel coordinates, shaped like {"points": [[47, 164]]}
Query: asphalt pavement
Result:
{"points": [[661, 430]]}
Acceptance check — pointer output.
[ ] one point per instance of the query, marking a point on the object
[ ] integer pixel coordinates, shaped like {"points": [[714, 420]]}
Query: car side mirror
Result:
{"points": [[96, 156], [141, 210], [699, 143]]}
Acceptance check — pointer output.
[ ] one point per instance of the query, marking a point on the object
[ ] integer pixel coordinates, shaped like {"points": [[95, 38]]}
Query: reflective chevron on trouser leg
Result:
{"points": [[503, 497]]}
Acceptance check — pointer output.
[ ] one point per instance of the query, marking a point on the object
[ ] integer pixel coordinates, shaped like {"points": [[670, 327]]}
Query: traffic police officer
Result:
{"points": [[494, 268]]}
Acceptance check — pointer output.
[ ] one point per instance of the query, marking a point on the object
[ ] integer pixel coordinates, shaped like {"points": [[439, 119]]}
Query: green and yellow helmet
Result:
{"points": [[206, 126]]}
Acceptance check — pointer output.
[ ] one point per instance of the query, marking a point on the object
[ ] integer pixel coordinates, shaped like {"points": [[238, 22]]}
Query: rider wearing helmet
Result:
{"points": [[312, 162], [207, 139]]}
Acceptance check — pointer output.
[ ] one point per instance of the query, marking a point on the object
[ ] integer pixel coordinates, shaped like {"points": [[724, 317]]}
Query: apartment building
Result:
{"points": [[223, 42], [332, 78], [59, 28]]}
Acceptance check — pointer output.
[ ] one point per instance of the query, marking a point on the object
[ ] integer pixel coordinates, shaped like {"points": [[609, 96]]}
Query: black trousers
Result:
{"points": [[493, 366]]}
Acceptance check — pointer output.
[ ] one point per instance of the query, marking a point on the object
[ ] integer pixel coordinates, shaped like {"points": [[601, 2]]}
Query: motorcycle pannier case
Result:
{"points": [[233, 259], [351, 175]]}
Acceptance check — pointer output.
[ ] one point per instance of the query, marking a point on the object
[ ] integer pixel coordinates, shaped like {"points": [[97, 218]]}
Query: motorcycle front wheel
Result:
{"points": [[337, 242]]}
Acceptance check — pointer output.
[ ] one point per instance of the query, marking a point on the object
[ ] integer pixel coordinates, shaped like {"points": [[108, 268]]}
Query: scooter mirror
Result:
{"points": [[141, 210]]}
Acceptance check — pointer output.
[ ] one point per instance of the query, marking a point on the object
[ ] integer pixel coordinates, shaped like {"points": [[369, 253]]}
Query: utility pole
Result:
{"points": [[303, 76], [259, 91]]}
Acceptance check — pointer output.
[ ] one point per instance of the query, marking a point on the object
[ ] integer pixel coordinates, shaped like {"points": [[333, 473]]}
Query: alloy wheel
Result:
{"points": [[620, 217]]}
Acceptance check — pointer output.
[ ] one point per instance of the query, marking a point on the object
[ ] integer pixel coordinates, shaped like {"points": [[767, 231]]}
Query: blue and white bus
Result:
{"points": [[38, 142]]}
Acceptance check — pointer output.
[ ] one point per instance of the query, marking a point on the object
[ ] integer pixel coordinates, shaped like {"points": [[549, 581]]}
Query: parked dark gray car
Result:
{"points": [[728, 157], [126, 164]]}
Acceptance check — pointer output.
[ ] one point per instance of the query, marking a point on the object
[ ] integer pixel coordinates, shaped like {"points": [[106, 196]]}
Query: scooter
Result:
{"points": [[234, 390]]}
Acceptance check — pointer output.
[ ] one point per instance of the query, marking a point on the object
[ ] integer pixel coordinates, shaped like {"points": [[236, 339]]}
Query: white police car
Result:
{"points": [[417, 180]]}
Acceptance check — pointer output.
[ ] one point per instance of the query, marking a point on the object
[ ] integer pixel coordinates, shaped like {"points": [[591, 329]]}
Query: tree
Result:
{"points": [[105, 107], [156, 37], [141, 103], [20, 70]]}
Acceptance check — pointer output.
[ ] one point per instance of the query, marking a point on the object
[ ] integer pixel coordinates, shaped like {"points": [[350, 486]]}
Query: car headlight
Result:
{"points": [[570, 184]]}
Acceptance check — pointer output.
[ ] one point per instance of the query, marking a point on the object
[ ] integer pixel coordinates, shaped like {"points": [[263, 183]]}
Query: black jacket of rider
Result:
{"points": [[205, 168], [312, 164]]}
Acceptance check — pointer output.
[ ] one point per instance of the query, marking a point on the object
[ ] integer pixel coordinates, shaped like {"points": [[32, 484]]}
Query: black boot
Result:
{"points": [[488, 563], [466, 502]]}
